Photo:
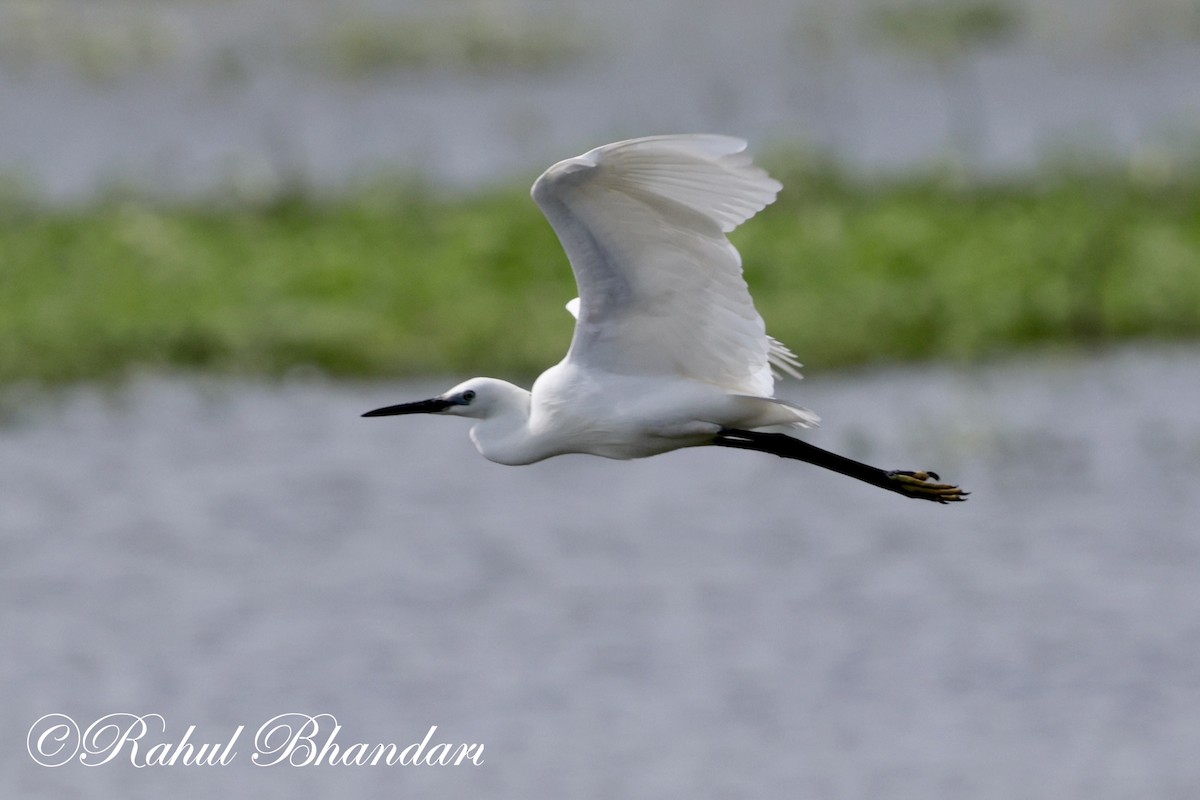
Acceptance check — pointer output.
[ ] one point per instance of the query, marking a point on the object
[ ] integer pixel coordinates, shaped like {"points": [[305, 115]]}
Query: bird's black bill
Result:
{"points": [[420, 407]]}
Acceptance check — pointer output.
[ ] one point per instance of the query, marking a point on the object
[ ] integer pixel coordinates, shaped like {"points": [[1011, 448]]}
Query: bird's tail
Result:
{"points": [[772, 411]]}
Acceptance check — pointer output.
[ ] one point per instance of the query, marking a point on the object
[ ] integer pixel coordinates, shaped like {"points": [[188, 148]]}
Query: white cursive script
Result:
{"points": [[293, 739], [56, 739], [298, 740]]}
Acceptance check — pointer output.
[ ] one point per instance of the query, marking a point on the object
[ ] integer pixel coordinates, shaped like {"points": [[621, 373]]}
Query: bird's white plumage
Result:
{"points": [[669, 350], [643, 223]]}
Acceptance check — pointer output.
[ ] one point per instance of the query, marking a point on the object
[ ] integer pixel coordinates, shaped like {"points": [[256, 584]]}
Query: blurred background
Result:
{"points": [[228, 227]]}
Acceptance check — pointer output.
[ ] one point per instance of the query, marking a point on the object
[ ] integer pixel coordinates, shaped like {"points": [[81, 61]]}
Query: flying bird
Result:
{"points": [[669, 350]]}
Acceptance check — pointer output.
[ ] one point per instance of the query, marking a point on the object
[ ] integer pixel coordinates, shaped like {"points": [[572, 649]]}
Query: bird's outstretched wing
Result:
{"points": [[643, 223]]}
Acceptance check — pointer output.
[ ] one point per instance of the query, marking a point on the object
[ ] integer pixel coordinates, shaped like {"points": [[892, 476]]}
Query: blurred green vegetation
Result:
{"points": [[390, 281], [478, 41], [946, 29], [100, 45], [108, 42]]}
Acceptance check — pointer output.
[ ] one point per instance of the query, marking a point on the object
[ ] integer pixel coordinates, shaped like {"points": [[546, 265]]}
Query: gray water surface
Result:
{"points": [[706, 624], [193, 97]]}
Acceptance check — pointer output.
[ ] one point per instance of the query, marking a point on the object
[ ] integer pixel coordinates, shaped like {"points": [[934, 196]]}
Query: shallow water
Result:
{"points": [[708, 624], [192, 97]]}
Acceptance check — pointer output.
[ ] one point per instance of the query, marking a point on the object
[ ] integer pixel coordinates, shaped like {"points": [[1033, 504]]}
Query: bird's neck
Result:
{"points": [[504, 436]]}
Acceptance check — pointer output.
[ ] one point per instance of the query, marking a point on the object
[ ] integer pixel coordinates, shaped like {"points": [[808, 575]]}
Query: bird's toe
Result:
{"points": [[923, 484]]}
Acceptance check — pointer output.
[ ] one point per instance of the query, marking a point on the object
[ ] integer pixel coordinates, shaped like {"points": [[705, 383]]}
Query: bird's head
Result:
{"points": [[478, 398]]}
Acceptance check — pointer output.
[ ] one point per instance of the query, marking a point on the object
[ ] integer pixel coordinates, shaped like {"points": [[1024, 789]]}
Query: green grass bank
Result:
{"points": [[389, 281]]}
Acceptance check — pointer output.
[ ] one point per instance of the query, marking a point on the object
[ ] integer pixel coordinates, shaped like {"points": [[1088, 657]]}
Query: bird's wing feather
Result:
{"points": [[643, 223]]}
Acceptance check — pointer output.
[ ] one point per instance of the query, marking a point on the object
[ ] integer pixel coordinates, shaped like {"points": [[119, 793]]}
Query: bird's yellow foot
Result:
{"points": [[924, 485]]}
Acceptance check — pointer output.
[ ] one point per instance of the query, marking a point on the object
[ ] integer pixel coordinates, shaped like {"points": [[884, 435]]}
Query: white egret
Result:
{"points": [[668, 350]]}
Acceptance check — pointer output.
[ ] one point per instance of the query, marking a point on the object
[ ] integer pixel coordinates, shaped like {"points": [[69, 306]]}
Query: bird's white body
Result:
{"points": [[668, 347], [574, 410]]}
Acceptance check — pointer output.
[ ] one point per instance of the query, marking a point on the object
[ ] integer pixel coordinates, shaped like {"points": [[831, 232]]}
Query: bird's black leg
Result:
{"points": [[919, 484]]}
